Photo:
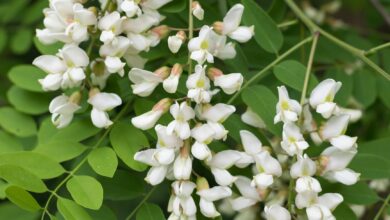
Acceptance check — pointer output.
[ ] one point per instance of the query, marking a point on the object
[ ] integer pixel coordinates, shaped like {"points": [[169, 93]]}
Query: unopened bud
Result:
{"points": [[201, 183], [98, 68], [177, 69], [163, 72], [162, 31], [213, 73], [185, 149], [218, 27], [197, 10], [93, 92], [263, 193], [182, 35], [75, 97], [163, 105]]}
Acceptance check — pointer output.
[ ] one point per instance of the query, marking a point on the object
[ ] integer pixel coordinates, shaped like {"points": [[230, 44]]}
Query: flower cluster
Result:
{"points": [[331, 164], [124, 29], [196, 122]]}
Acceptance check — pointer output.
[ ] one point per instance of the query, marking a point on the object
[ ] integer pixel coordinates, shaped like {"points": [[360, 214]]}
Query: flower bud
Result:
{"points": [[201, 183], [162, 31], [218, 27], [163, 72], [182, 35], [197, 10], [75, 98], [213, 72]]}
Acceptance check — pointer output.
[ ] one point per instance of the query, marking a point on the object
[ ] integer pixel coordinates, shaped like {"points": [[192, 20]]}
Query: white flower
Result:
{"points": [[197, 10], [174, 43], [114, 65], [62, 109], [203, 136], [250, 195], [251, 118], [287, 110], [182, 114], [67, 22], [231, 23], [354, 114], [202, 47], [198, 85], [322, 97], [268, 167], [293, 142], [145, 81], [276, 212], [219, 164], [130, 8], [111, 26], [218, 113], [101, 103], [182, 202], [170, 84], [112, 52], [303, 169], [252, 146], [318, 207], [334, 130], [182, 166], [229, 83], [334, 162], [208, 196], [150, 118], [64, 70]]}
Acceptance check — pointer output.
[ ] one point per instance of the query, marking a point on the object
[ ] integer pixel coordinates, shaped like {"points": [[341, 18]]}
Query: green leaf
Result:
{"points": [[61, 151], [384, 91], [104, 213], [292, 73], [359, 194], [174, 6], [150, 211], [26, 77], [365, 88], [78, 130], [267, 34], [28, 102], [371, 166], [38, 164], [103, 161], [22, 198], [379, 147], [21, 41], [126, 141], [18, 176], [34, 13], [11, 211], [125, 185], [343, 211], [17, 123], [71, 211], [86, 191], [9, 143], [50, 49], [263, 102]]}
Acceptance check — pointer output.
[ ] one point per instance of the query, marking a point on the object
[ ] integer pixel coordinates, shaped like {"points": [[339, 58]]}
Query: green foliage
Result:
{"points": [[71, 211], [86, 191], [103, 161], [22, 198], [17, 123], [150, 212]]}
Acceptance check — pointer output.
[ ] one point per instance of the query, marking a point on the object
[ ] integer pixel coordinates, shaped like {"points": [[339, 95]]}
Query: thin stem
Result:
{"points": [[141, 203], [190, 33], [353, 50], [288, 23], [262, 73], [383, 208], [309, 66], [377, 48], [81, 163]]}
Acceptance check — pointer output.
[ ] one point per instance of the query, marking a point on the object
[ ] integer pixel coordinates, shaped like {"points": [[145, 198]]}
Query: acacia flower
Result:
{"points": [[219, 164], [197, 10], [304, 169], [181, 204], [231, 25], [287, 110], [175, 41], [182, 113], [249, 194], [148, 119], [145, 81], [170, 84], [322, 96], [111, 26], [229, 83], [203, 136], [318, 207], [102, 103], [276, 212], [63, 107], [251, 118], [293, 142], [198, 85]]}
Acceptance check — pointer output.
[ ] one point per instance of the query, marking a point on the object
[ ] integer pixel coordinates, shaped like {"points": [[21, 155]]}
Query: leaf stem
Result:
{"points": [[141, 203], [353, 50], [383, 207], [288, 23], [81, 163], [377, 48], [309, 66], [262, 73]]}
